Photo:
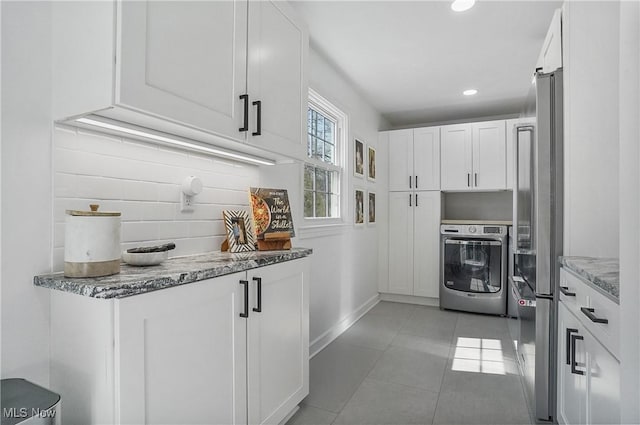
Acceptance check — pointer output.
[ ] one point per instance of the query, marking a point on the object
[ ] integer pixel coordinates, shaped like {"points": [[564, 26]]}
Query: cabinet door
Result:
{"points": [[489, 155], [401, 206], [456, 155], [278, 340], [426, 244], [426, 158], [278, 44], [185, 62], [550, 57], [181, 354], [572, 387], [400, 159], [604, 384]]}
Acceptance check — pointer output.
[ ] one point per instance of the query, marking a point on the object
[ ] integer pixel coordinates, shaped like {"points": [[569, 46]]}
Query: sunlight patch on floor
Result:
{"points": [[478, 355]]}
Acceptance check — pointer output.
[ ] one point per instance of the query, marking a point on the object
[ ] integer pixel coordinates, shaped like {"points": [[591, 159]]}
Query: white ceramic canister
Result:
{"points": [[91, 243]]}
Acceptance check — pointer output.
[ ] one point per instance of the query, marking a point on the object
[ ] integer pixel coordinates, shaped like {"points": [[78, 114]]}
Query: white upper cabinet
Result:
{"points": [[473, 156], [414, 159], [185, 61], [550, 57], [230, 73]]}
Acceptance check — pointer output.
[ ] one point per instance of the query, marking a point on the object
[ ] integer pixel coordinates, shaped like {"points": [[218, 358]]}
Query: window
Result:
{"points": [[326, 127]]}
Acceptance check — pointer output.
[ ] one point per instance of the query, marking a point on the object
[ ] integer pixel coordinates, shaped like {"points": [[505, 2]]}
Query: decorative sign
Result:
{"points": [[240, 237], [271, 212]]}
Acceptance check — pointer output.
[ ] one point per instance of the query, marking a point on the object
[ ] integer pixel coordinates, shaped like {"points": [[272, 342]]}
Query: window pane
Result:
{"points": [[308, 177], [328, 153], [329, 127], [334, 206], [321, 204], [321, 180], [310, 145], [308, 203], [320, 127]]}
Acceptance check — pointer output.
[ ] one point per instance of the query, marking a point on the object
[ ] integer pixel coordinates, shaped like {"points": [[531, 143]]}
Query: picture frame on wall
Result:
{"points": [[371, 163], [359, 211], [240, 236], [371, 216], [359, 158]]}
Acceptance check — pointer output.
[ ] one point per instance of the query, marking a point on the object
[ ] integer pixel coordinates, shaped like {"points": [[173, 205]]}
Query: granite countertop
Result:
{"points": [[602, 273], [479, 222], [172, 272]]}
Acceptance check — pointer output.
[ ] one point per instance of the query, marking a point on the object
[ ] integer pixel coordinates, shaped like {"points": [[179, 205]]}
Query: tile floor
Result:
{"points": [[406, 364]]}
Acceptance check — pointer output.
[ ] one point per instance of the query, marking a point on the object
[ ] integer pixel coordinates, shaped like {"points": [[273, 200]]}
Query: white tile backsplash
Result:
{"points": [[143, 181]]}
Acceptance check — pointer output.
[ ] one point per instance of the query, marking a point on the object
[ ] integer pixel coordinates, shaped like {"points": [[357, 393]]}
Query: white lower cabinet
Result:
{"points": [[588, 375], [185, 354], [414, 235]]}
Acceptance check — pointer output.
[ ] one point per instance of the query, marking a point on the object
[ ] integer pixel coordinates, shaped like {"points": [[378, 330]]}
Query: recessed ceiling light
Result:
{"points": [[470, 92], [462, 5]]}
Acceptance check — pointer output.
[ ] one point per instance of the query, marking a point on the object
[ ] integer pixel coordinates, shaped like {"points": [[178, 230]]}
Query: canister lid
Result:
{"points": [[93, 213]]}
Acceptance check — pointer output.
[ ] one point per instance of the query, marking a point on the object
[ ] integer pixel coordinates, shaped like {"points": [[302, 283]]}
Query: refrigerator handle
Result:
{"points": [[516, 152]]}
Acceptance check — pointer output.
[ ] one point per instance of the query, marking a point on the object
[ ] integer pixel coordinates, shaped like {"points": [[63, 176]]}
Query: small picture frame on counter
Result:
{"points": [[359, 211], [240, 236], [359, 158]]}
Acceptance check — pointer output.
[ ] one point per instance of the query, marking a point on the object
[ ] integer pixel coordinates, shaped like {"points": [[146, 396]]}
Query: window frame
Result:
{"points": [[328, 109]]}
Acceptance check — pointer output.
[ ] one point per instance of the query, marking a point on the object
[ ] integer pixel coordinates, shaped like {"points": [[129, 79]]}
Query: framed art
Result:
{"points": [[372, 208], [359, 207], [371, 163], [358, 154], [240, 234]]}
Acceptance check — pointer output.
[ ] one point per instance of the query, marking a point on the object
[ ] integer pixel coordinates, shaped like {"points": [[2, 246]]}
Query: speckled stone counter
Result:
{"points": [[602, 273], [172, 272]]}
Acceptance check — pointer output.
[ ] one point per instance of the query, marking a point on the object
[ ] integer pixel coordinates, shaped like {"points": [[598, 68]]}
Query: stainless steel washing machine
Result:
{"points": [[473, 272]]}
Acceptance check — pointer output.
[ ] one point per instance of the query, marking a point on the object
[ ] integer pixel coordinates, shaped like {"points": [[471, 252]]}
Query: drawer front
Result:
{"points": [[589, 305]]}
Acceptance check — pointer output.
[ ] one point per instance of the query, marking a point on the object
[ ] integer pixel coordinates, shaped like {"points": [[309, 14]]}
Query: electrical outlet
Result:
{"points": [[186, 203]]}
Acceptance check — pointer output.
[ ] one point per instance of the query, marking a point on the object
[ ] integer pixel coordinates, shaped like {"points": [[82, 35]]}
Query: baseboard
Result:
{"points": [[327, 337], [410, 299]]}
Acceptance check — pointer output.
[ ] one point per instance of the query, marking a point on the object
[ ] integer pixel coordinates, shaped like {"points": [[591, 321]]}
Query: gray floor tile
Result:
{"points": [[409, 367], [485, 330], [388, 308], [477, 398], [373, 331], [378, 402], [336, 372], [431, 322], [422, 344], [309, 415]]}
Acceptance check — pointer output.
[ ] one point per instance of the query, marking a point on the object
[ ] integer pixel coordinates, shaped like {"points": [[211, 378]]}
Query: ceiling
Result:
{"points": [[413, 59]]}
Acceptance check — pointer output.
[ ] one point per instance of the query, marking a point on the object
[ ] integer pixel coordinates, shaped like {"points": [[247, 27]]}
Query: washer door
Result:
{"points": [[472, 265]]}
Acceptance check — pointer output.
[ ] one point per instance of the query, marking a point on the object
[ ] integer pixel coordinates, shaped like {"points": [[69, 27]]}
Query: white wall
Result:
{"points": [[591, 61], [345, 259], [630, 211], [26, 188], [143, 182]]}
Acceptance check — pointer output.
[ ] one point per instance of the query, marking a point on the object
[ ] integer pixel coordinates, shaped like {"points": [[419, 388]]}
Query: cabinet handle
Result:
{"points": [[468, 179], [416, 186], [245, 121], [258, 281], [410, 185], [416, 199], [409, 199], [258, 105], [569, 332], [589, 313], [575, 338], [476, 179], [565, 290], [246, 298]]}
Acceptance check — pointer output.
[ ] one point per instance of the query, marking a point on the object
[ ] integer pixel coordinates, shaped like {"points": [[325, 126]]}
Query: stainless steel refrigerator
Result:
{"points": [[537, 228]]}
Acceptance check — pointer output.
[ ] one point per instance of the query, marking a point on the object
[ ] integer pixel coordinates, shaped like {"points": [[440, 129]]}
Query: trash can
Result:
{"points": [[26, 403]]}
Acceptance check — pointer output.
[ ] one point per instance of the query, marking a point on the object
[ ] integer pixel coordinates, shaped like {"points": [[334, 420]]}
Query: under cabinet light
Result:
{"points": [[174, 141], [462, 5], [470, 92]]}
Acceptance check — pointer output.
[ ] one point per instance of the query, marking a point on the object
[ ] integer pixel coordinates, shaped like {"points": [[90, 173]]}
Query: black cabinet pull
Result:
{"points": [[575, 338], [416, 199], [569, 332], [410, 185], [409, 199], [589, 313], [245, 126], [468, 179], [476, 179], [258, 281], [416, 184], [565, 290], [258, 105], [246, 298]]}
